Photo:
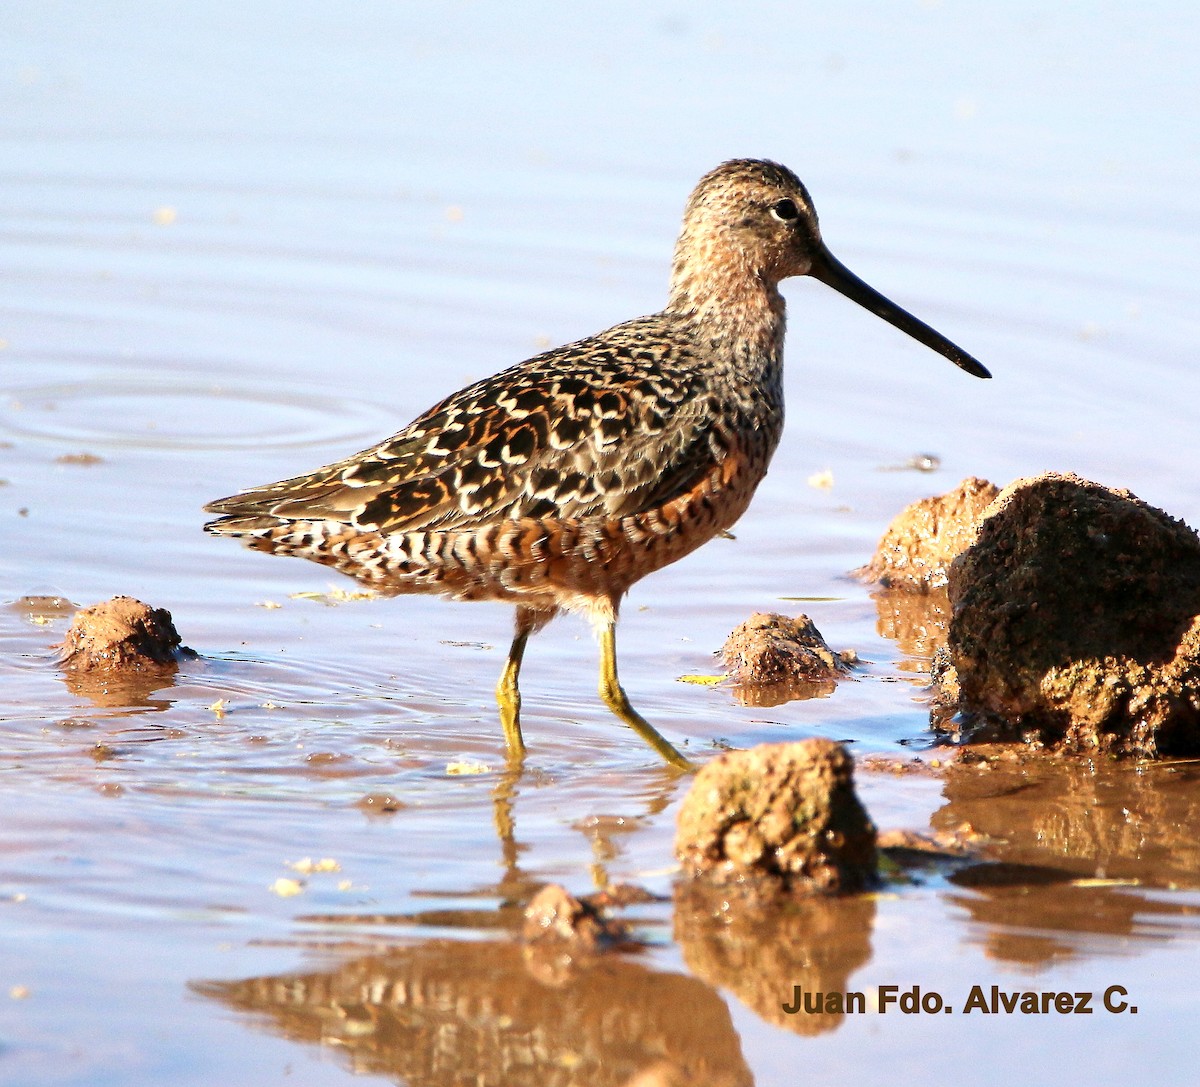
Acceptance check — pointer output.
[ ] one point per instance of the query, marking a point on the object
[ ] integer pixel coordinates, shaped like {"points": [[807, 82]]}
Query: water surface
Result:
{"points": [[242, 241]]}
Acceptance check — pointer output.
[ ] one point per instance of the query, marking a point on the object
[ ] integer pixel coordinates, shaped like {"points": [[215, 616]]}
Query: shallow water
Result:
{"points": [[240, 242]]}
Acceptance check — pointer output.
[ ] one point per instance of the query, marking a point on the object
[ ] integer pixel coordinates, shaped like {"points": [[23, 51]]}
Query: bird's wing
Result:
{"points": [[609, 425]]}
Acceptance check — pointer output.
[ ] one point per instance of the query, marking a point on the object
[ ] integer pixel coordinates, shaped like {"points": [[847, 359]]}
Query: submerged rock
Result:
{"points": [[121, 633], [769, 649], [1076, 621], [562, 935], [555, 916], [924, 538], [784, 816]]}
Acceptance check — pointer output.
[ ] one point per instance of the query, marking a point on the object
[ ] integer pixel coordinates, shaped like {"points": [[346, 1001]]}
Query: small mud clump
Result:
{"points": [[121, 633], [769, 648], [1076, 621], [782, 816], [916, 550]]}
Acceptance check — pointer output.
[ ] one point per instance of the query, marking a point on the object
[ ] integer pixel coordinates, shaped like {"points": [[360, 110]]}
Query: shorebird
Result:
{"points": [[558, 483]]}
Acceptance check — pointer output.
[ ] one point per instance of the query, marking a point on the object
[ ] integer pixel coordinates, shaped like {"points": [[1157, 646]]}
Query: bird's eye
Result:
{"points": [[785, 211]]}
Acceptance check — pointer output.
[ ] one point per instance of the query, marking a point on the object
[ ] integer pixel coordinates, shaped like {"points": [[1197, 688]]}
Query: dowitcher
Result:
{"points": [[558, 483]]}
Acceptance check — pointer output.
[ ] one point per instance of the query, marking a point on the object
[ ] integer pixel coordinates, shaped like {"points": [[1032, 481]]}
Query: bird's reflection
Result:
{"points": [[446, 1012]]}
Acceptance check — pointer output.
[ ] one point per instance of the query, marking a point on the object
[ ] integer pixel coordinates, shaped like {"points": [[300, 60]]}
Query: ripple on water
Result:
{"points": [[152, 413]]}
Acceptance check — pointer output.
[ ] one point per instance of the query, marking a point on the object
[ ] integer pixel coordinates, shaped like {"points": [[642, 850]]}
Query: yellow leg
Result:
{"points": [[508, 694], [616, 700]]}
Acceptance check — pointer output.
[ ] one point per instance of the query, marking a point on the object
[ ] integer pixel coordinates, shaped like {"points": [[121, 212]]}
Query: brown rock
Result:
{"points": [[1076, 621], [769, 649], [783, 815], [121, 633], [916, 550]]}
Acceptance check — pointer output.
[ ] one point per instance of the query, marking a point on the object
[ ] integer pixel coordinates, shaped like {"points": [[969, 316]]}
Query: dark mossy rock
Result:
{"points": [[1076, 621]]}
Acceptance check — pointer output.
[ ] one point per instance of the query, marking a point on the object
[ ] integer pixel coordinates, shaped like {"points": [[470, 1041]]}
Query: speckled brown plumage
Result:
{"points": [[558, 483]]}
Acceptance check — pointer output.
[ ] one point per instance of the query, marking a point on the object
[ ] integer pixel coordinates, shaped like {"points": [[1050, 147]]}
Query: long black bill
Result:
{"points": [[832, 272]]}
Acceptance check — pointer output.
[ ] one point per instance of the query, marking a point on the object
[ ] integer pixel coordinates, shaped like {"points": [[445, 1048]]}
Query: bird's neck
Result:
{"points": [[731, 304]]}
